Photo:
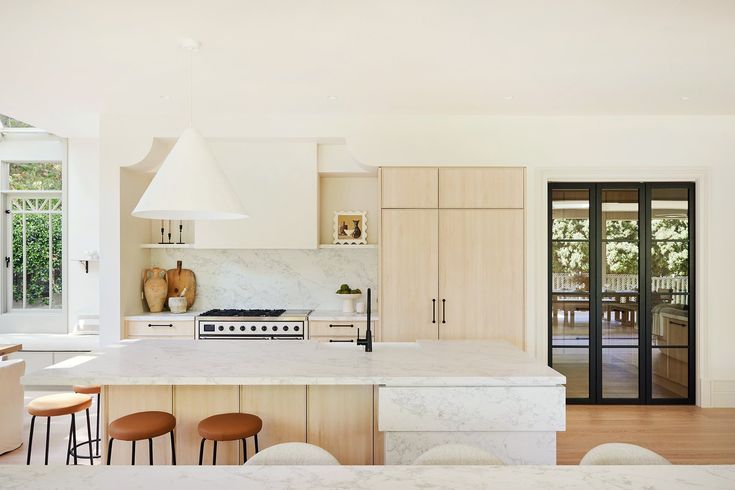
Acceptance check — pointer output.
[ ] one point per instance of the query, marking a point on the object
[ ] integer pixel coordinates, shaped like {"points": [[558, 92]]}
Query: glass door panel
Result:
{"points": [[570, 288], [670, 312], [620, 373], [620, 279]]}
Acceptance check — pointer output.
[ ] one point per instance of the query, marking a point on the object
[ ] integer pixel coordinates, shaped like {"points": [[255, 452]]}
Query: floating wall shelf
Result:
{"points": [[166, 245]]}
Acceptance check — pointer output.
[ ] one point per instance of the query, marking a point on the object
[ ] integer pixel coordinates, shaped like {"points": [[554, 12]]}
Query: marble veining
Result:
{"points": [[670, 477], [521, 448], [493, 408], [293, 279], [192, 362]]}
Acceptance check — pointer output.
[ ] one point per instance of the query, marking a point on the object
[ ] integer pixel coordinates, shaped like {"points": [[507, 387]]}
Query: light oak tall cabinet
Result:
{"points": [[452, 253]]}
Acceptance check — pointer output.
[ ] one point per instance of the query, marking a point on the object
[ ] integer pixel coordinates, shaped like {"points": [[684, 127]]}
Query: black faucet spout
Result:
{"points": [[368, 340]]}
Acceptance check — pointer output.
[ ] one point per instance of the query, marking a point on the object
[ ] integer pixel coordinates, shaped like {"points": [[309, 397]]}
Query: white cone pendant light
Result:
{"points": [[190, 185]]}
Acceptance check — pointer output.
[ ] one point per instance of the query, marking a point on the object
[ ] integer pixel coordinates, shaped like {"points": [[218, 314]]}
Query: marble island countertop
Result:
{"points": [[192, 362], [670, 477]]}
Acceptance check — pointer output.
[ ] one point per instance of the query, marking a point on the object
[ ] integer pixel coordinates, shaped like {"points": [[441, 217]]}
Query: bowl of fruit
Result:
{"points": [[348, 297]]}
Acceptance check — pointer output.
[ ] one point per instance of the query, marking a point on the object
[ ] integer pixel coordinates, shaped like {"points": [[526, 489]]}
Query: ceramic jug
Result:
{"points": [[155, 288]]}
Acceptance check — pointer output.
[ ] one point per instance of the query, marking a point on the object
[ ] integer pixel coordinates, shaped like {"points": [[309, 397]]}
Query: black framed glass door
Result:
{"points": [[621, 321]]}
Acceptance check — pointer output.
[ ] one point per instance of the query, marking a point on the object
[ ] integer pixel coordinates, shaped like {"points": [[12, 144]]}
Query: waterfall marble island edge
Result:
{"points": [[383, 407]]}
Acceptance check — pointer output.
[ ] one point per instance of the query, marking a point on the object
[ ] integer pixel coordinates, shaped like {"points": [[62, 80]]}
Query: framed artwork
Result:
{"points": [[350, 227]]}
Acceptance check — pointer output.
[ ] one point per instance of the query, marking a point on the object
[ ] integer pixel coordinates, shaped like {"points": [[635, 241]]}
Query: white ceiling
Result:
{"points": [[64, 63]]}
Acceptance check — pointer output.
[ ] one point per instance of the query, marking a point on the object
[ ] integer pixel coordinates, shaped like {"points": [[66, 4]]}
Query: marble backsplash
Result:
{"points": [[274, 278]]}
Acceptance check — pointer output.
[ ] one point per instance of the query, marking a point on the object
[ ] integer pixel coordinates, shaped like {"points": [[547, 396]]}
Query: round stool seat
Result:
{"points": [[230, 426], [87, 389], [141, 425], [59, 404]]}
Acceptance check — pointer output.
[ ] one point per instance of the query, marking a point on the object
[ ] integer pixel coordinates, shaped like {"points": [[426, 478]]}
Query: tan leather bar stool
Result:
{"points": [[229, 427], [57, 405], [91, 390], [140, 426]]}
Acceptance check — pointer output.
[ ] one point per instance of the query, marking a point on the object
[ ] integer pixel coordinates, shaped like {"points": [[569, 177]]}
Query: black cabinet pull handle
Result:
{"points": [[339, 340], [169, 325], [444, 311], [433, 311], [341, 325]]}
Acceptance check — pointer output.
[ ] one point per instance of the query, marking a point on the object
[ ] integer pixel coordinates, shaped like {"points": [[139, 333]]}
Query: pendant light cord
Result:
{"points": [[191, 87]]}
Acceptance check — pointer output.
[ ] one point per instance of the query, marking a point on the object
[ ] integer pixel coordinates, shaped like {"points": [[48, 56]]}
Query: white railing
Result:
{"points": [[623, 282]]}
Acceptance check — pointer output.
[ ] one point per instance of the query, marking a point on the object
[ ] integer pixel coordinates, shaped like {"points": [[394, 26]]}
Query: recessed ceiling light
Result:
{"points": [[165, 97], [684, 97], [508, 97], [332, 97]]}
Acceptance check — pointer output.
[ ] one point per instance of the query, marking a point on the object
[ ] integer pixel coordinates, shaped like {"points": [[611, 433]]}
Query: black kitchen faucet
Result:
{"points": [[368, 340]]}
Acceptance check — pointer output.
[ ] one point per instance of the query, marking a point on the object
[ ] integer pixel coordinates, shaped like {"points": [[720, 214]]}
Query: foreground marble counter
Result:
{"points": [[191, 362], [383, 407], [365, 477]]}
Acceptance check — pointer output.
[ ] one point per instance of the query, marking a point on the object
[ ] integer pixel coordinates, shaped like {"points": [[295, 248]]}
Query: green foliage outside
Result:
{"points": [[36, 176], [669, 258], [9, 122], [43, 176]]}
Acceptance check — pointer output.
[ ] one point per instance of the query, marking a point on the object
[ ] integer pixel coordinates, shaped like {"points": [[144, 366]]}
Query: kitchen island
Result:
{"points": [[667, 477], [387, 406]]}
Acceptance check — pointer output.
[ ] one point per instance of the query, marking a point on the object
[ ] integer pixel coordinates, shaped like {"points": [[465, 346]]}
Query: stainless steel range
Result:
{"points": [[252, 324]]}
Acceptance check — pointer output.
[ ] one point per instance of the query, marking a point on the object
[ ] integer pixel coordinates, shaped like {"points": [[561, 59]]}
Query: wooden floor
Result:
{"points": [[682, 434]]}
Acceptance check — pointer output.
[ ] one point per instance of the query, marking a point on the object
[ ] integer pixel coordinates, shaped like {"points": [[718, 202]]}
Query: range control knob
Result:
{"points": [[221, 328], [264, 328], [296, 328], [274, 328], [285, 328], [252, 329], [232, 328], [242, 328]]}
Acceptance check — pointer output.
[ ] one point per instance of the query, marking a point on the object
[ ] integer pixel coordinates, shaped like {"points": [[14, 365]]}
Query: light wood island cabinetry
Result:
{"points": [[282, 409], [340, 420]]}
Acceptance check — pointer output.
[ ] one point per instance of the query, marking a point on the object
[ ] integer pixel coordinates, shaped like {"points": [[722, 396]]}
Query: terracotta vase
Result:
{"points": [[155, 288]]}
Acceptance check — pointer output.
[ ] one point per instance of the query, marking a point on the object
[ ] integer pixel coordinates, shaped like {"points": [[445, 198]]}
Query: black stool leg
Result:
{"points": [[173, 449], [48, 434], [89, 438], [74, 434], [134, 452], [98, 426], [150, 451], [30, 440], [109, 451], [244, 451], [214, 454], [201, 452], [256, 444], [68, 446]]}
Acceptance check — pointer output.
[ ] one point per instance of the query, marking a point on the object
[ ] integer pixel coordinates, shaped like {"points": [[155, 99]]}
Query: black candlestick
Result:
{"points": [[181, 231], [169, 232], [162, 231]]}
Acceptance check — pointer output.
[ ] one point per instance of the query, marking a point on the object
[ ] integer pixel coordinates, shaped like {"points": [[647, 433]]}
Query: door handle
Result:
{"points": [[433, 311], [444, 310], [169, 325], [336, 340]]}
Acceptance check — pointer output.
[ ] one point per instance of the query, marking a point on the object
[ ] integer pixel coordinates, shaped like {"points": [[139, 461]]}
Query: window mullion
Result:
{"points": [[25, 264], [50, 262]]}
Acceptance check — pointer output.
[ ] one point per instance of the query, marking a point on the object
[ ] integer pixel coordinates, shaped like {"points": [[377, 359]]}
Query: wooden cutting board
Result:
{"points": [[178, 279]]}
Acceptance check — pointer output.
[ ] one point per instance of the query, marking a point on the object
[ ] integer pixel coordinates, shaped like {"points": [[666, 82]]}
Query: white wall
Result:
{"points": [[34, 147], [83, 228], [699, 148]]}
